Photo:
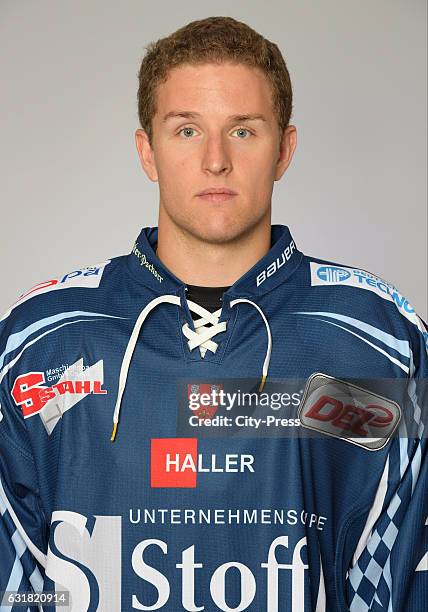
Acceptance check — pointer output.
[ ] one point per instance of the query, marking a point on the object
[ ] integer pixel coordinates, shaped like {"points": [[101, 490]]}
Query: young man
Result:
{"points": [[131, 474]]}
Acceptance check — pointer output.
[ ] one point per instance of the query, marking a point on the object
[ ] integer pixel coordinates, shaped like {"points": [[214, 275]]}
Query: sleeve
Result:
{"points": [[23, 531], [389, 569]]}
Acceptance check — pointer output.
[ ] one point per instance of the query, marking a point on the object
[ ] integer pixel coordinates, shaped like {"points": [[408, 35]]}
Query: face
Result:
{"points": [[215, 128]]}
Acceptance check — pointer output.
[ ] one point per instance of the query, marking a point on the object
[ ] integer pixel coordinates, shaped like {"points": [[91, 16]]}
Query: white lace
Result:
{"points": [[201, 337]]}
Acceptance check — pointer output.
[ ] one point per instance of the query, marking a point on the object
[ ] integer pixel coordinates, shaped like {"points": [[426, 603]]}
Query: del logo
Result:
{"points": [[175, 462], [348, 412], [50, 402]]}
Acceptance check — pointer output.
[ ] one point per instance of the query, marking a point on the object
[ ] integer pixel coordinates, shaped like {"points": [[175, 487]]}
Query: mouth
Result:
{"points": [[217, 195]]}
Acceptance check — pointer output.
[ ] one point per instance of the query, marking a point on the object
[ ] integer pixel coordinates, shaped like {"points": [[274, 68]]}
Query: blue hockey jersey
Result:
{"points": [[135, 476]]}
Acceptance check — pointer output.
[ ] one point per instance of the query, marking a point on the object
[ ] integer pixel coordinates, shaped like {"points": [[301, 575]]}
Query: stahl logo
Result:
{"points": [[31, 393]]}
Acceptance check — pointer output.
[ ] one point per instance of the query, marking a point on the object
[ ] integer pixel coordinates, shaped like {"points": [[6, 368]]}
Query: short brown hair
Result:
{"points": [[213, 40]]}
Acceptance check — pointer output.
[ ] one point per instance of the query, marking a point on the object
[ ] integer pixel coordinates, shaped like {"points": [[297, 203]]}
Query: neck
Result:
{"points": [[207, 264]]}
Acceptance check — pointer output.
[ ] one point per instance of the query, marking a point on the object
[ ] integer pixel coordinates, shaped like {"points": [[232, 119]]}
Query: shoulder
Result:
{"points": [[58, 290], [356, 292], [53, 302], [62, 321]]}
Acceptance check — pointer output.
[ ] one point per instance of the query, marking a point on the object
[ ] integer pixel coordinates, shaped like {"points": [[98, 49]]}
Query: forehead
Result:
{"points": [[215, 88]]}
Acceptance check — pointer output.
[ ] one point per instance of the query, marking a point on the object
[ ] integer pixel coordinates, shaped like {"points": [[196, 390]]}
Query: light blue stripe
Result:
{"points": [[411, 388], [393, 360], [18, 543], [2, 506], [416, 465], [36, 579], [15, 340], [401, 346], [388, 580], [14, 581], [404, 456], [11, 363]]}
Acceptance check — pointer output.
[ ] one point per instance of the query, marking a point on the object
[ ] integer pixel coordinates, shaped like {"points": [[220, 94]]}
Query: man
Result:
{"points": [[132, 476]]}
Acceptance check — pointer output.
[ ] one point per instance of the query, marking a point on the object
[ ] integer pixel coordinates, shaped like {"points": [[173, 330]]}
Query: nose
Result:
{"points": [[216, 157]]}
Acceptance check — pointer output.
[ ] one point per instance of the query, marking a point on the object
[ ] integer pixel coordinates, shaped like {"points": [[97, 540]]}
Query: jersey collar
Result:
{"points": [[271, 270]]}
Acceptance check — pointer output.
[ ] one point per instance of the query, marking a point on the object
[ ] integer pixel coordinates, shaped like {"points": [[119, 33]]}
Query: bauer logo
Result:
{"points": [[333, 274], [349, 412], [276, 264]]}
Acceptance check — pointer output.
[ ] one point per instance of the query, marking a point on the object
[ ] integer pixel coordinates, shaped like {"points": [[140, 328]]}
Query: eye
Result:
{"points": [[186, 130], [241, 129]]}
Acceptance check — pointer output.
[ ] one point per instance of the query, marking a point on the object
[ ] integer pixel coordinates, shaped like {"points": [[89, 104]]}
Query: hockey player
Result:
{"points": [[214, 420]]}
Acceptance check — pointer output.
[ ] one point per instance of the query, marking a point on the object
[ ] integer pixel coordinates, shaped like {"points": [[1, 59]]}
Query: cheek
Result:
{"points": [[174, 169]]}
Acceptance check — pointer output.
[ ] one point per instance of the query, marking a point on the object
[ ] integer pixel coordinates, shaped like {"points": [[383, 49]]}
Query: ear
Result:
{"points": [[146, 154], [286, 150]]}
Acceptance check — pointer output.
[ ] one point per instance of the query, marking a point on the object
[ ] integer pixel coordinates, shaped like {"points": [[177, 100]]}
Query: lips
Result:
{"points": [[217, 194], [215, 190]]}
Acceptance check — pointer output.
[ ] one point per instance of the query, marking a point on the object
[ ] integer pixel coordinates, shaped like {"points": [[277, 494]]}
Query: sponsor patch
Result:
{"points": [[348, 412], [34, 396], [89, 277], [175, 462], [327, 275]]}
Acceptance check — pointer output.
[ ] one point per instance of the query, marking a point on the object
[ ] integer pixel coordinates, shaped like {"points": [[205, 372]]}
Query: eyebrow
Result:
{"points": [[235, 118]]}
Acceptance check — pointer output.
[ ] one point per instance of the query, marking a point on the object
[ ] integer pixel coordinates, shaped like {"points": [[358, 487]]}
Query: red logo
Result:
{"points": [[205, 391], [29, 392], [348, 416], [171, 462]]}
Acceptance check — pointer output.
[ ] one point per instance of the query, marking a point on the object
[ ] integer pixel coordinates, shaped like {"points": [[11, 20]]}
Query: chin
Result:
{"points": [[220, 231]]}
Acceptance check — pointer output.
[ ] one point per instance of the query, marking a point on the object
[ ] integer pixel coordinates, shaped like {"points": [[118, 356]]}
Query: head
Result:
{"points": [[214, 104]]}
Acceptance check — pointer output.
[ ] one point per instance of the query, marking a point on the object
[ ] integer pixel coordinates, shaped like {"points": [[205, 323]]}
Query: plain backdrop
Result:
{"points": [[72, 189]]}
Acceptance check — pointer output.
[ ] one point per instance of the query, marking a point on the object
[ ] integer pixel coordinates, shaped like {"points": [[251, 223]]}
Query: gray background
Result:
{"points": [[73, 192]]}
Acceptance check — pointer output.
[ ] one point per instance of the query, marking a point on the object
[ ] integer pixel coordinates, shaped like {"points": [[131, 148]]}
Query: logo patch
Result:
{"points": [[207, 410], [333, 274], [276, 265], [50, 401], [175, 462], [89, 277], [324, 275], [348, 412]]}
